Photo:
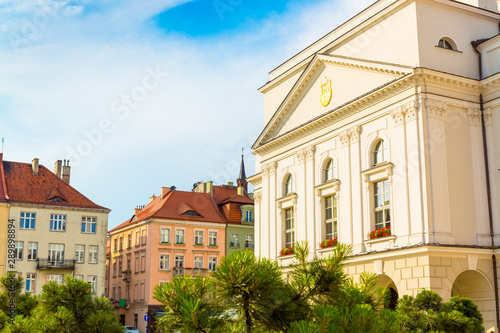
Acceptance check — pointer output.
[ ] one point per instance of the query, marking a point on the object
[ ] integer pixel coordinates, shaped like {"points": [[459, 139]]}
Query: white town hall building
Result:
{"points": [[383, 124]]}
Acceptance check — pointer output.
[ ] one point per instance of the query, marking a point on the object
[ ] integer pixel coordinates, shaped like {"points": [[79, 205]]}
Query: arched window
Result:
{"points": [[447, 43], [329, 170], [288, 184], [380, 152]]}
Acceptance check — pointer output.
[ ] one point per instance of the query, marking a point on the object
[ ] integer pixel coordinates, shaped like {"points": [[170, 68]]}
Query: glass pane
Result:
{"points": [[388, 215], [379, 217]]}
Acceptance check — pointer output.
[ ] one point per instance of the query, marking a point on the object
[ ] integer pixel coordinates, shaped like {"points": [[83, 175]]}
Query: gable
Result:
{"points": [[350, 79]]}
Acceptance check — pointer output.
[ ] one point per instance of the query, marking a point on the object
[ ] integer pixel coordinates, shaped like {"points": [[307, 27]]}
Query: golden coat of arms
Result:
{"points": [[326, 92]]}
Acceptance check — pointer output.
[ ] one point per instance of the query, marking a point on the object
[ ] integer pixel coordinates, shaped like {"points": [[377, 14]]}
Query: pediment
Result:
{"points": [[349, 79]]}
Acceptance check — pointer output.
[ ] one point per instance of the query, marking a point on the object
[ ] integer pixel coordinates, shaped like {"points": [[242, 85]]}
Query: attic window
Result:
{"points": [[447, 43], [57, 199], [191, 213]]}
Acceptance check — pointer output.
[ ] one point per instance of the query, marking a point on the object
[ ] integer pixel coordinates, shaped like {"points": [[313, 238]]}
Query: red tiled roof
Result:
{"points": [[237, 199], [25, 187], [223, 192], [174, 204]]}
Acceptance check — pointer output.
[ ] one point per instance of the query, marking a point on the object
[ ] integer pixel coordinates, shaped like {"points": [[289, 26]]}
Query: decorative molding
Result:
{"points": [[354, 133], [301, 156], [398, 114], [472, 261], [255, 179], [344, 139], [488, 117], [379, 266], [309, 151], [268, 170], [411, 110], [436, 109], [257, 197], [377, 173], [474, 116], [328, 188]]}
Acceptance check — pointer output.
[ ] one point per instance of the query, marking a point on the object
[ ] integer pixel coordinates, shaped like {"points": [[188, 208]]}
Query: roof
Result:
{"points": [[20, 185], [175, 204]]}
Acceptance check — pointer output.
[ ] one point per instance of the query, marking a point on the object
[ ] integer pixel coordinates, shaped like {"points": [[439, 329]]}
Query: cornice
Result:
{"points": [[255, 179], [490, 84], [419, 77]]}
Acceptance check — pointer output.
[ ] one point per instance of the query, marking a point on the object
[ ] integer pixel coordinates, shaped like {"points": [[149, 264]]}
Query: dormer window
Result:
{"points": [[191, 213], [447, 43], [57, 199]]}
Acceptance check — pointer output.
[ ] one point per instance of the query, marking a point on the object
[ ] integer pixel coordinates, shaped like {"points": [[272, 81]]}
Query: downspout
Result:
{"points": [[475, 44]]}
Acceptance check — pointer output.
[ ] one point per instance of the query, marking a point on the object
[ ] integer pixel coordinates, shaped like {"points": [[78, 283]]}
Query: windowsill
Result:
{"points": [[180, 244], [213, 245], [79, 262], [290, 256], [58, 230], [444, 48], [380, 240], [164, 270], [165, 243], [199, 245]]}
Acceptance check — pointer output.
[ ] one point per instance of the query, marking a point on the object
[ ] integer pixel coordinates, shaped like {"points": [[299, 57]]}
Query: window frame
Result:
{"points": [[30, 286], [382, 153], [288, 184], [162, 238], [89, 221], [79, 254], [212, 264], [92, 279], [329, 170], [213, 236], [178, 239], [333, 220], [18, 250], [96, 252], [197, 240], [32, 253], [56, 223], [385, 208], [31, 221], [164, 260], [289, 231]]}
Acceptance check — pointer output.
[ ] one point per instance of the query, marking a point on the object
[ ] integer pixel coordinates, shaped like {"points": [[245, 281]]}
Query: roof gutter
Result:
{"points": [[475, 45]]}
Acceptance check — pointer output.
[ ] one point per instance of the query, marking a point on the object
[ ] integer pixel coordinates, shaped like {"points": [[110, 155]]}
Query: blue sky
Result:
{"points": [[144, 94]]}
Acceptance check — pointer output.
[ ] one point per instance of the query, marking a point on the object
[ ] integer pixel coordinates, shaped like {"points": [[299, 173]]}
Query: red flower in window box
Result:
{"points": [[287, 251], [328, 243], [380, 233]]}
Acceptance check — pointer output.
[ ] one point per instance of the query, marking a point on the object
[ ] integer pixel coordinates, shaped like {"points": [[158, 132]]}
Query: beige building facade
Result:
{"points": [[375, 136], [58, 231]]}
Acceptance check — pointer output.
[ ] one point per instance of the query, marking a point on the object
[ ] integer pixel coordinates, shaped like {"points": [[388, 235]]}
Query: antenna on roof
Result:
{"points": [[3, 139]]}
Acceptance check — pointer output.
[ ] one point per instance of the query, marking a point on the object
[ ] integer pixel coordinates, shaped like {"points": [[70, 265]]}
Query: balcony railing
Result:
{"points": [[190, 271], [55, 264], [127, 276]]}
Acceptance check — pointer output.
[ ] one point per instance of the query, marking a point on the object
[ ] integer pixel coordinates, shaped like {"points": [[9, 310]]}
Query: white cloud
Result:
{"points": [[59, 86]]}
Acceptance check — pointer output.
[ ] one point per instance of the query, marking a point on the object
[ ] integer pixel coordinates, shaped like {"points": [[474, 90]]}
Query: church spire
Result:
{"points": [[242, 179]]}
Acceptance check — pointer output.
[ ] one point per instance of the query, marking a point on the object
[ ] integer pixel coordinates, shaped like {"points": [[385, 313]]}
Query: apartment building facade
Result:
{"points": [[58, 231], [384, 134]]}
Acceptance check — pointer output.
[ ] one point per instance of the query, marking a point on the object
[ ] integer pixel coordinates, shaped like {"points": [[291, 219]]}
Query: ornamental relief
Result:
{"points": [[474, 116], [436, 109]]}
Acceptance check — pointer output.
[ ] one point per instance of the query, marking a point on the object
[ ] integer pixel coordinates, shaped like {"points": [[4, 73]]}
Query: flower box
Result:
{"points": [[380, 233], [328, 243], [287, 251]]}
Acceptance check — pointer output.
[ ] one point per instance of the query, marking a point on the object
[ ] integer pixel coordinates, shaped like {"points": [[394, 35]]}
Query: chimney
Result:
{"points": [[230, 184], [137, 210], [58, 168], [209, 187], [34, 165], [151, 198], [241, 190], [66, 170]]}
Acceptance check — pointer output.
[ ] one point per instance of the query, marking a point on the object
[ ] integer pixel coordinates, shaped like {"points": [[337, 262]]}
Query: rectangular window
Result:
{"points": [[382, 205], [80, 254], [128, 262], [121, 243], [78, 277], [136, 262], [113, 292], [198, 262], [57, 222], [116, 245], [212, 238], [179, 265], [120, 265], [93, 254], [198, 237], [92, 279], [129, 241], [18, 250], [143, 261], [30, 282], [212, 264], [56, 253], [164, 262], [143, 290], [115, 267], [179, 236], [165, 235], [27, 221], [136, 293], [235, 242], [289, 228], [331, 217], [248, 216], [32, 250], [137, 238], [249, 241], [89, 225], [143, 241], [59, 278]]}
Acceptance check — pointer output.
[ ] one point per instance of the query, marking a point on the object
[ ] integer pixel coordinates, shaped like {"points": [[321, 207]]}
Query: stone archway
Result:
{"points": [[474, 285], [386, 282]]}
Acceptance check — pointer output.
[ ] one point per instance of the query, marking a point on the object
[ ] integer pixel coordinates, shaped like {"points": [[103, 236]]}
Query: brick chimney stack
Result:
{"points": [[66, 170]]}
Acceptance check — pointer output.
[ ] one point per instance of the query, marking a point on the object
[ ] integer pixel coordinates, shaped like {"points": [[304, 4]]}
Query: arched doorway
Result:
{"points": [[474, 285], [386, 282]]}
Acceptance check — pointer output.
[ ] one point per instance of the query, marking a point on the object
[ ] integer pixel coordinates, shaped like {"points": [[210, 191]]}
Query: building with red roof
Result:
{"points": [[58, 231], [176, 233]]}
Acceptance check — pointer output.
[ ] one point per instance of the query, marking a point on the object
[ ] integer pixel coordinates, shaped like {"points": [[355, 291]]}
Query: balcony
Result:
{"points": [[127, 276], [190, 271], [55, 264]]}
